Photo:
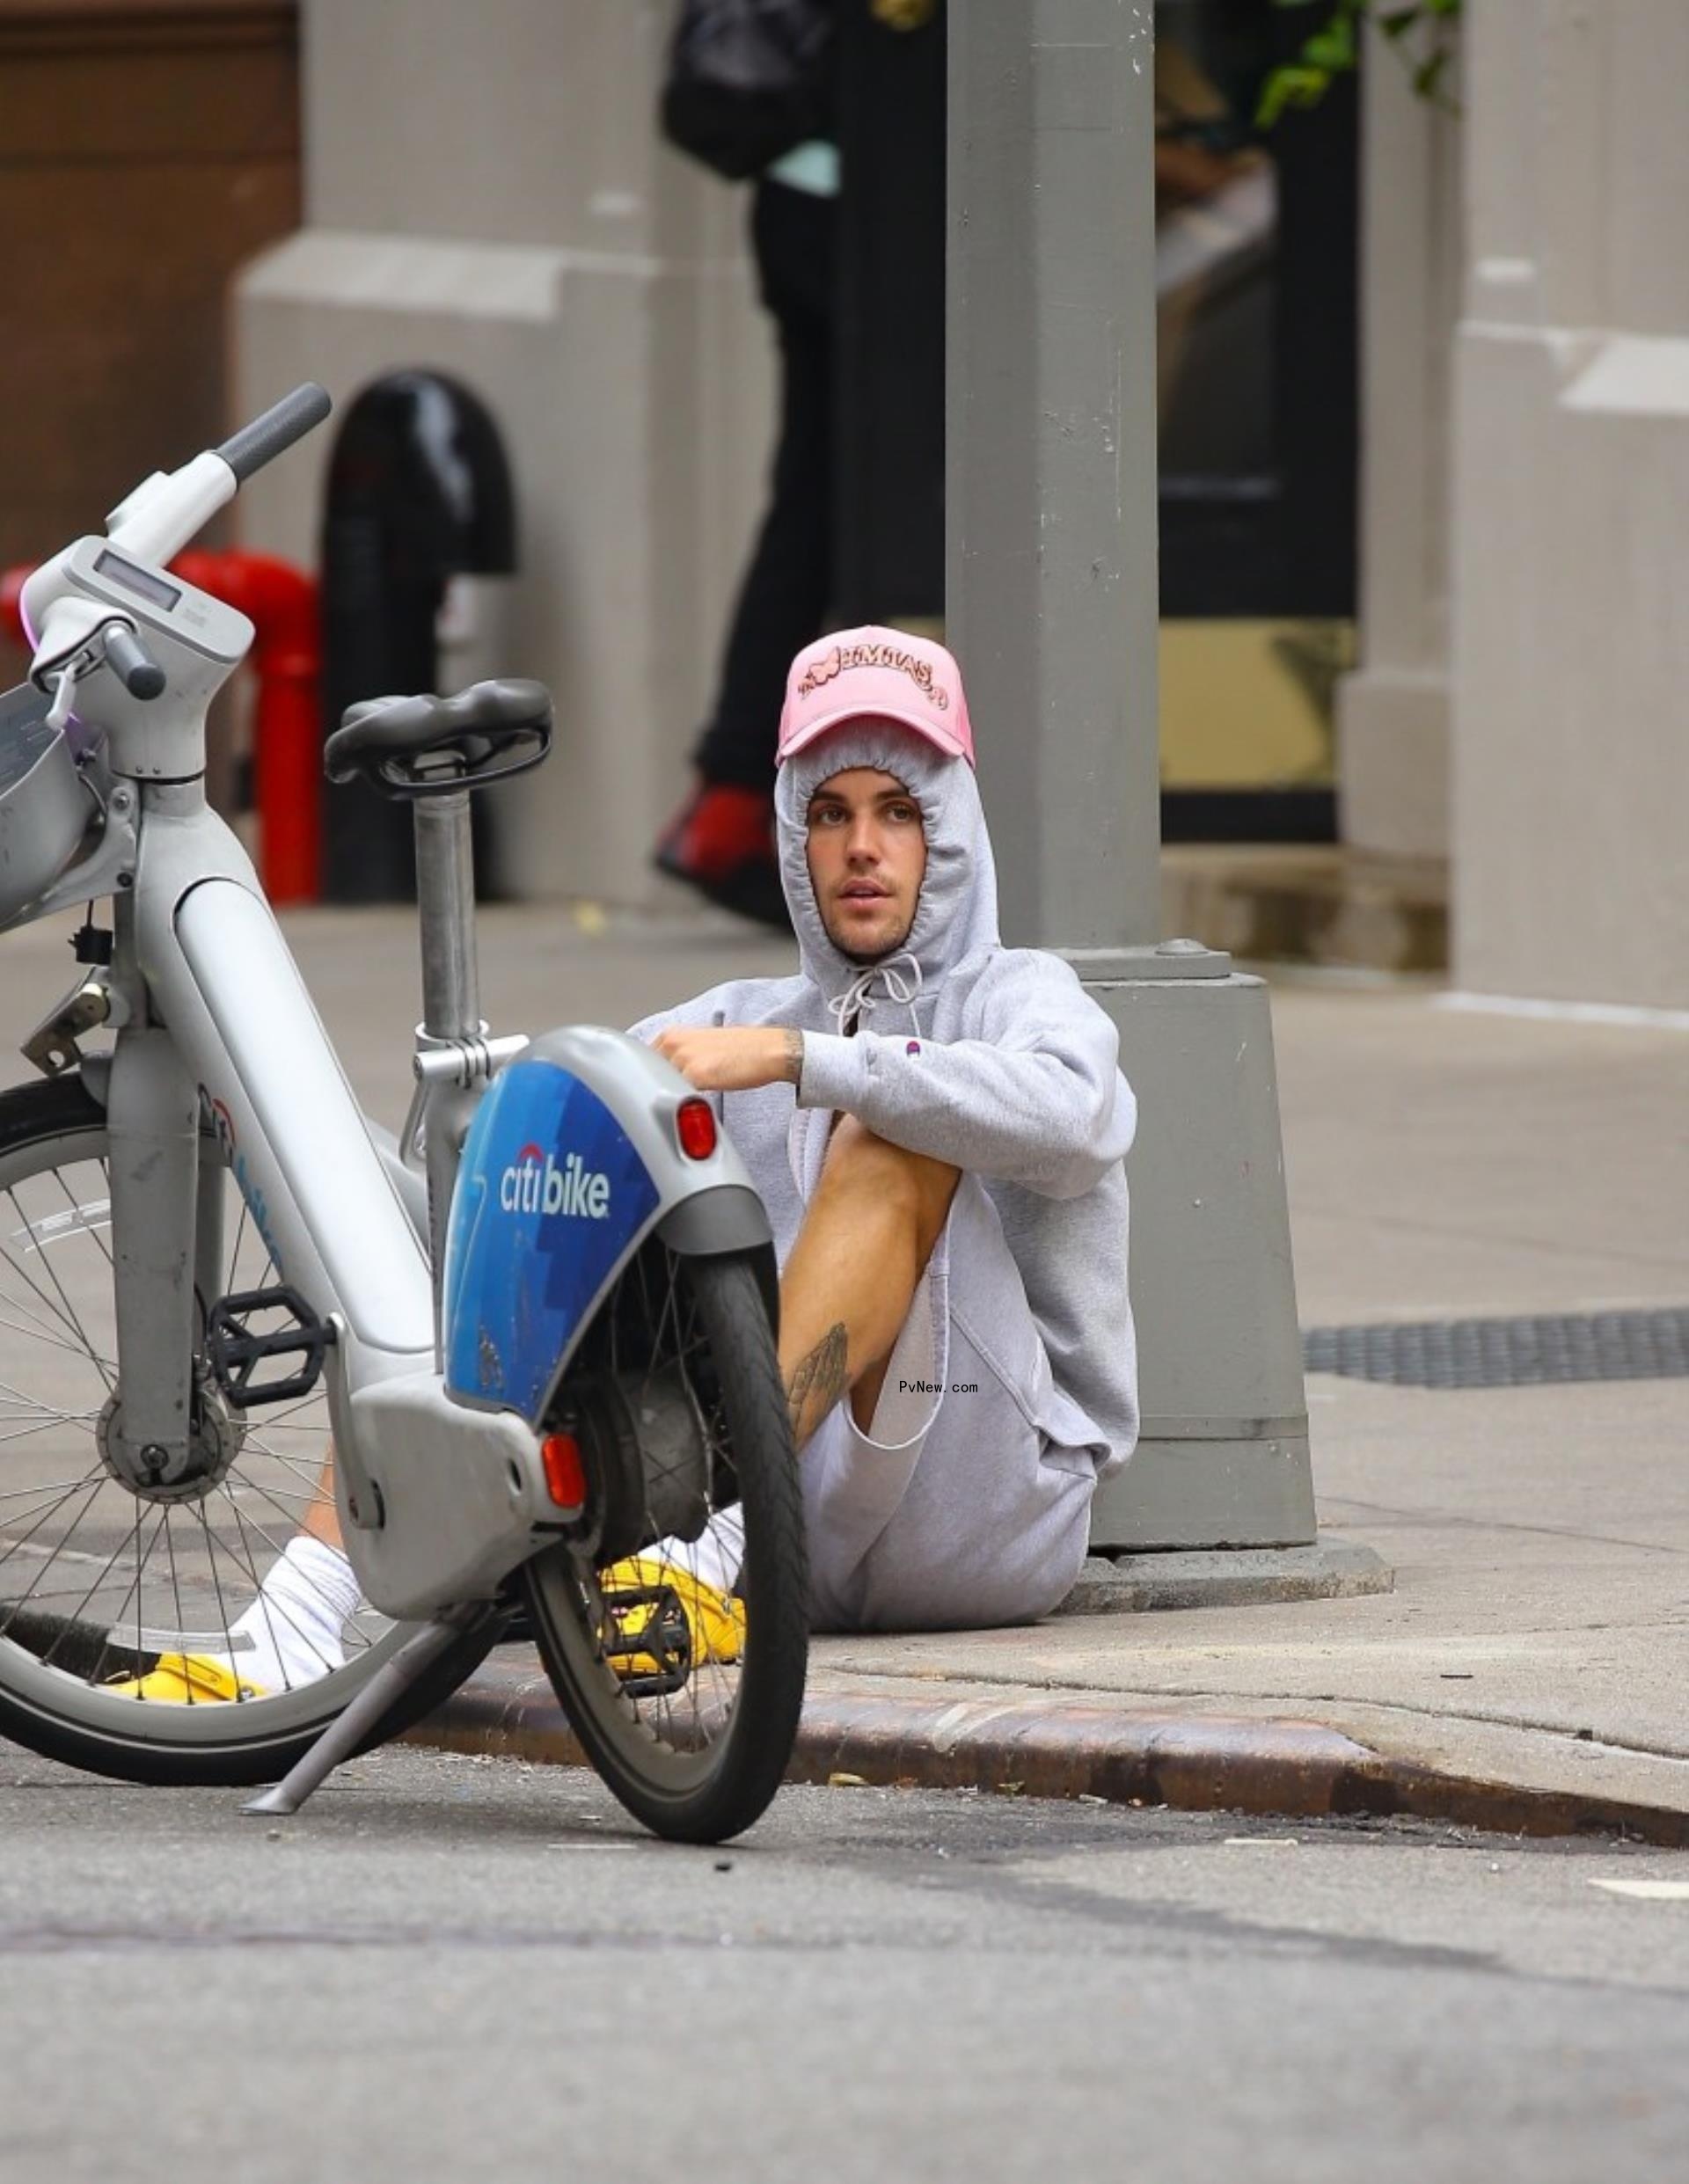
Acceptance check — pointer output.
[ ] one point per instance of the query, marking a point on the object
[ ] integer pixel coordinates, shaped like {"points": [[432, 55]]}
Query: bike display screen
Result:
{"points": [[142, 582]]}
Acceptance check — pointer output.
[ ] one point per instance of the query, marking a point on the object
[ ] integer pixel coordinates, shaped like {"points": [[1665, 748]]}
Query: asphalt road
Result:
{"points": [[453, 1968]]}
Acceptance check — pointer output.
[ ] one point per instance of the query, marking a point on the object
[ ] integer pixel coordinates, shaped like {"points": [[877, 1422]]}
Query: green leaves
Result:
{"points": [[1291, 86], [1420, 31], [1427, 77], [1333, 49]]}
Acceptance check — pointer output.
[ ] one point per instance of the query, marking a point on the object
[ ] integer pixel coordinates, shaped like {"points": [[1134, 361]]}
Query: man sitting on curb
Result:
{"points": [[938, 1128]]}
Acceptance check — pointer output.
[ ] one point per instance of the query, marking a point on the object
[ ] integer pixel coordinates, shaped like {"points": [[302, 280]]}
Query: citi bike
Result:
{"points": [[521, 1358]]}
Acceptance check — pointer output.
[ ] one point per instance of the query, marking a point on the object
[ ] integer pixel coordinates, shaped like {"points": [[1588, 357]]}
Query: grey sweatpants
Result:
{"points": [[967, 1500]]}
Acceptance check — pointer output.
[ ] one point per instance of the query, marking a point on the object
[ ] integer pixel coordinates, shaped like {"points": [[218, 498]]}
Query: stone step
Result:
{"points": [[1309, 903]]}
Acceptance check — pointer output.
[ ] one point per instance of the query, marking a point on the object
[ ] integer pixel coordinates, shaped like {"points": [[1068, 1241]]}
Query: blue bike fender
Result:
{"points": [[573, 1158]]}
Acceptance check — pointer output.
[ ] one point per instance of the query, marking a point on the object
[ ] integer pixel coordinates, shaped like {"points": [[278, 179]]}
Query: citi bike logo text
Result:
{"points": [[223, 1125], [535, 1184]]}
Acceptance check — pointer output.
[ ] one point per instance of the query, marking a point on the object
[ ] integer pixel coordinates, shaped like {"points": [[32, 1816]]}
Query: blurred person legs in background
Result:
{"points": [[721, 842]]}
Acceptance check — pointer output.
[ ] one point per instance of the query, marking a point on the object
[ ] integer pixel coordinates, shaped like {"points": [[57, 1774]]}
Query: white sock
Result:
{"points": [[716, 1557], [295, 1626]]}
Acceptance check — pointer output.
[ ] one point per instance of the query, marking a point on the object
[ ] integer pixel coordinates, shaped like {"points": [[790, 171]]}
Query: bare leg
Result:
{"points": [[849, 1282], [322, 1519]]}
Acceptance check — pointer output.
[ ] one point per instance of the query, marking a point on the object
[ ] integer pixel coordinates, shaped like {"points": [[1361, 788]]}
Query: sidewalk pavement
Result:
{"points": [[1529, 1667]]}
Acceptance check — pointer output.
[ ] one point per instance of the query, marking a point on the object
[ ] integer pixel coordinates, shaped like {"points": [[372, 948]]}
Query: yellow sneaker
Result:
{"points": [[185, 1679], [714, 1621]]}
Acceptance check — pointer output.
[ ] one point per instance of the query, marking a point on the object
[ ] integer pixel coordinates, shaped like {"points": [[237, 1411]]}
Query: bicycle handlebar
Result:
{"points": [[131, 662], [162, 514], [275, 431], [159, 518]]}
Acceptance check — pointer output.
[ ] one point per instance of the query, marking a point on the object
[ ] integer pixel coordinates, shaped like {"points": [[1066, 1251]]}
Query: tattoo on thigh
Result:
{"points": [[817, 1382]]}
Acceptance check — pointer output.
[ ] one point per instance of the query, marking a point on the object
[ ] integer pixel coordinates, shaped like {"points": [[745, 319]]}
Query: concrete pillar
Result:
{"points": [[1051, 523], [1394, 710], [486, 192], [1049, 499], [1571, 506]]}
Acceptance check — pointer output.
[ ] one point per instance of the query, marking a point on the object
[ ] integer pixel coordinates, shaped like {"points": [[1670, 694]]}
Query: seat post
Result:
{"points": [[445, 898], [451, 1002]]}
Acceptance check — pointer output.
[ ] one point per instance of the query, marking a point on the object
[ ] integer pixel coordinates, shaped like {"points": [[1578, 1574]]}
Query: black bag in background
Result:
{"points": [[748, 80]]}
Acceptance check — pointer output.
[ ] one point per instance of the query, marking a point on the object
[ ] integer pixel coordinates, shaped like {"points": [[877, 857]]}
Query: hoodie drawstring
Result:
{"points": [[857, 999]]}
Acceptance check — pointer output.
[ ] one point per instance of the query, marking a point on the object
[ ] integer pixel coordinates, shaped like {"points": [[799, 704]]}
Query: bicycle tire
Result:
{"points": [[701, 1796], [45, 1128]]}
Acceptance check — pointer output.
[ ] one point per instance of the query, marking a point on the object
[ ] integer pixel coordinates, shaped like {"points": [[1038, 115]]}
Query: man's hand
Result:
{"points": [[732, 1057]]}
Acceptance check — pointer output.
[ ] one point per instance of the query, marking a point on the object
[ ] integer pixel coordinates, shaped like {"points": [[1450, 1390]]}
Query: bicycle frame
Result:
{"points": [[244, 1032], [213, 1020], [204, 957]]}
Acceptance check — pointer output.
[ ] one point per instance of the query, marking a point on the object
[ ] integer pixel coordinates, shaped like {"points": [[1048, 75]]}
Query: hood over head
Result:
{"points": [[956, 915]]}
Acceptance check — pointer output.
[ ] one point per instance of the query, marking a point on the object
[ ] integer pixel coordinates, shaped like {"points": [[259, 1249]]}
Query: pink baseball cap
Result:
{"points": [[881, 674]]}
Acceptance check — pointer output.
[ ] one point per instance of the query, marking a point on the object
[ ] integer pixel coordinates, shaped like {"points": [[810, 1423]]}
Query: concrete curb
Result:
{"points": [[1057, 1748], [1230, 1577]]}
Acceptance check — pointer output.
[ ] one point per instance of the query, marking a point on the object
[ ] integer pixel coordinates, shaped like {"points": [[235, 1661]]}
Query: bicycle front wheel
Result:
{"points": [[98, 1582], [692, 1732]]}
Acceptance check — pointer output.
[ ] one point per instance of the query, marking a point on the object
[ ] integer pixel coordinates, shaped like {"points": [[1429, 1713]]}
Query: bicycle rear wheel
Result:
{"points": [[695, 1747], [96, 1582]]}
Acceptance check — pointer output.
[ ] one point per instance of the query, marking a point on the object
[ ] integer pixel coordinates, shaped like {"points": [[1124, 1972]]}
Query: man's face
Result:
{"points": [[867, 856]]}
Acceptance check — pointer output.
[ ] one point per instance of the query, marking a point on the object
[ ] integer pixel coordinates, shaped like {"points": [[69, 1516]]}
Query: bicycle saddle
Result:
{"points": [[427, 746]]}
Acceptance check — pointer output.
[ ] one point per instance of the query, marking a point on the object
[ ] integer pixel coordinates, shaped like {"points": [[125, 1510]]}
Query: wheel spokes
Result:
{"points": [[651, 1334], [84, 1557]]}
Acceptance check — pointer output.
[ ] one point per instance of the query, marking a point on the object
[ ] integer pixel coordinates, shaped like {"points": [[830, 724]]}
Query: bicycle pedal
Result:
{"points": [[662, 1635], [235, 1349]]}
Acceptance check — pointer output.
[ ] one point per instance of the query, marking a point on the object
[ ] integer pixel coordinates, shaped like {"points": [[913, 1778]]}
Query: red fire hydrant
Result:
{"points": [[281, 602]]}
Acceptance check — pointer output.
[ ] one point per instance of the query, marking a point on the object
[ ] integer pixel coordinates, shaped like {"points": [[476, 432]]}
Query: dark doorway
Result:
{"points": [[1258, 394]]}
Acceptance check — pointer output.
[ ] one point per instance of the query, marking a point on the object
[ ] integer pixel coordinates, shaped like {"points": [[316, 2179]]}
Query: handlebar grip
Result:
{"points": [[132, 664], [275, 431]]}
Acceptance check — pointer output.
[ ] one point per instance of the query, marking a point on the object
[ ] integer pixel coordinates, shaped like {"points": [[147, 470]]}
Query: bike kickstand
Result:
{"points": [[365, 1714]]}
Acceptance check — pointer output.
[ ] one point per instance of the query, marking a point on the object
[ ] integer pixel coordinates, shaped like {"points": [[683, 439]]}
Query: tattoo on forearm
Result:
{"points": [[793, 1057], [817, 1382]]}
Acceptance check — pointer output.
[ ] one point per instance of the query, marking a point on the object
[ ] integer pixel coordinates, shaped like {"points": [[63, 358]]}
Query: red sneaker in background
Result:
{"points": [[721, 842]]}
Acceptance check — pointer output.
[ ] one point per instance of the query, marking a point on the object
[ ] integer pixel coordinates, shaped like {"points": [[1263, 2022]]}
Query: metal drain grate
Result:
{"points": [[1507, 1353]]}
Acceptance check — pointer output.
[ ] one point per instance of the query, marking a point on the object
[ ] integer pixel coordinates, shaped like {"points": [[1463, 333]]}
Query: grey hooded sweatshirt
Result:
{"points": [[993, 1059]]}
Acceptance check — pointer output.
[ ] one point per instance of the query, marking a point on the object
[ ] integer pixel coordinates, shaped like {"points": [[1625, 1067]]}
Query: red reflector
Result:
{"points": [[695, 1127], [565, 1475]]}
